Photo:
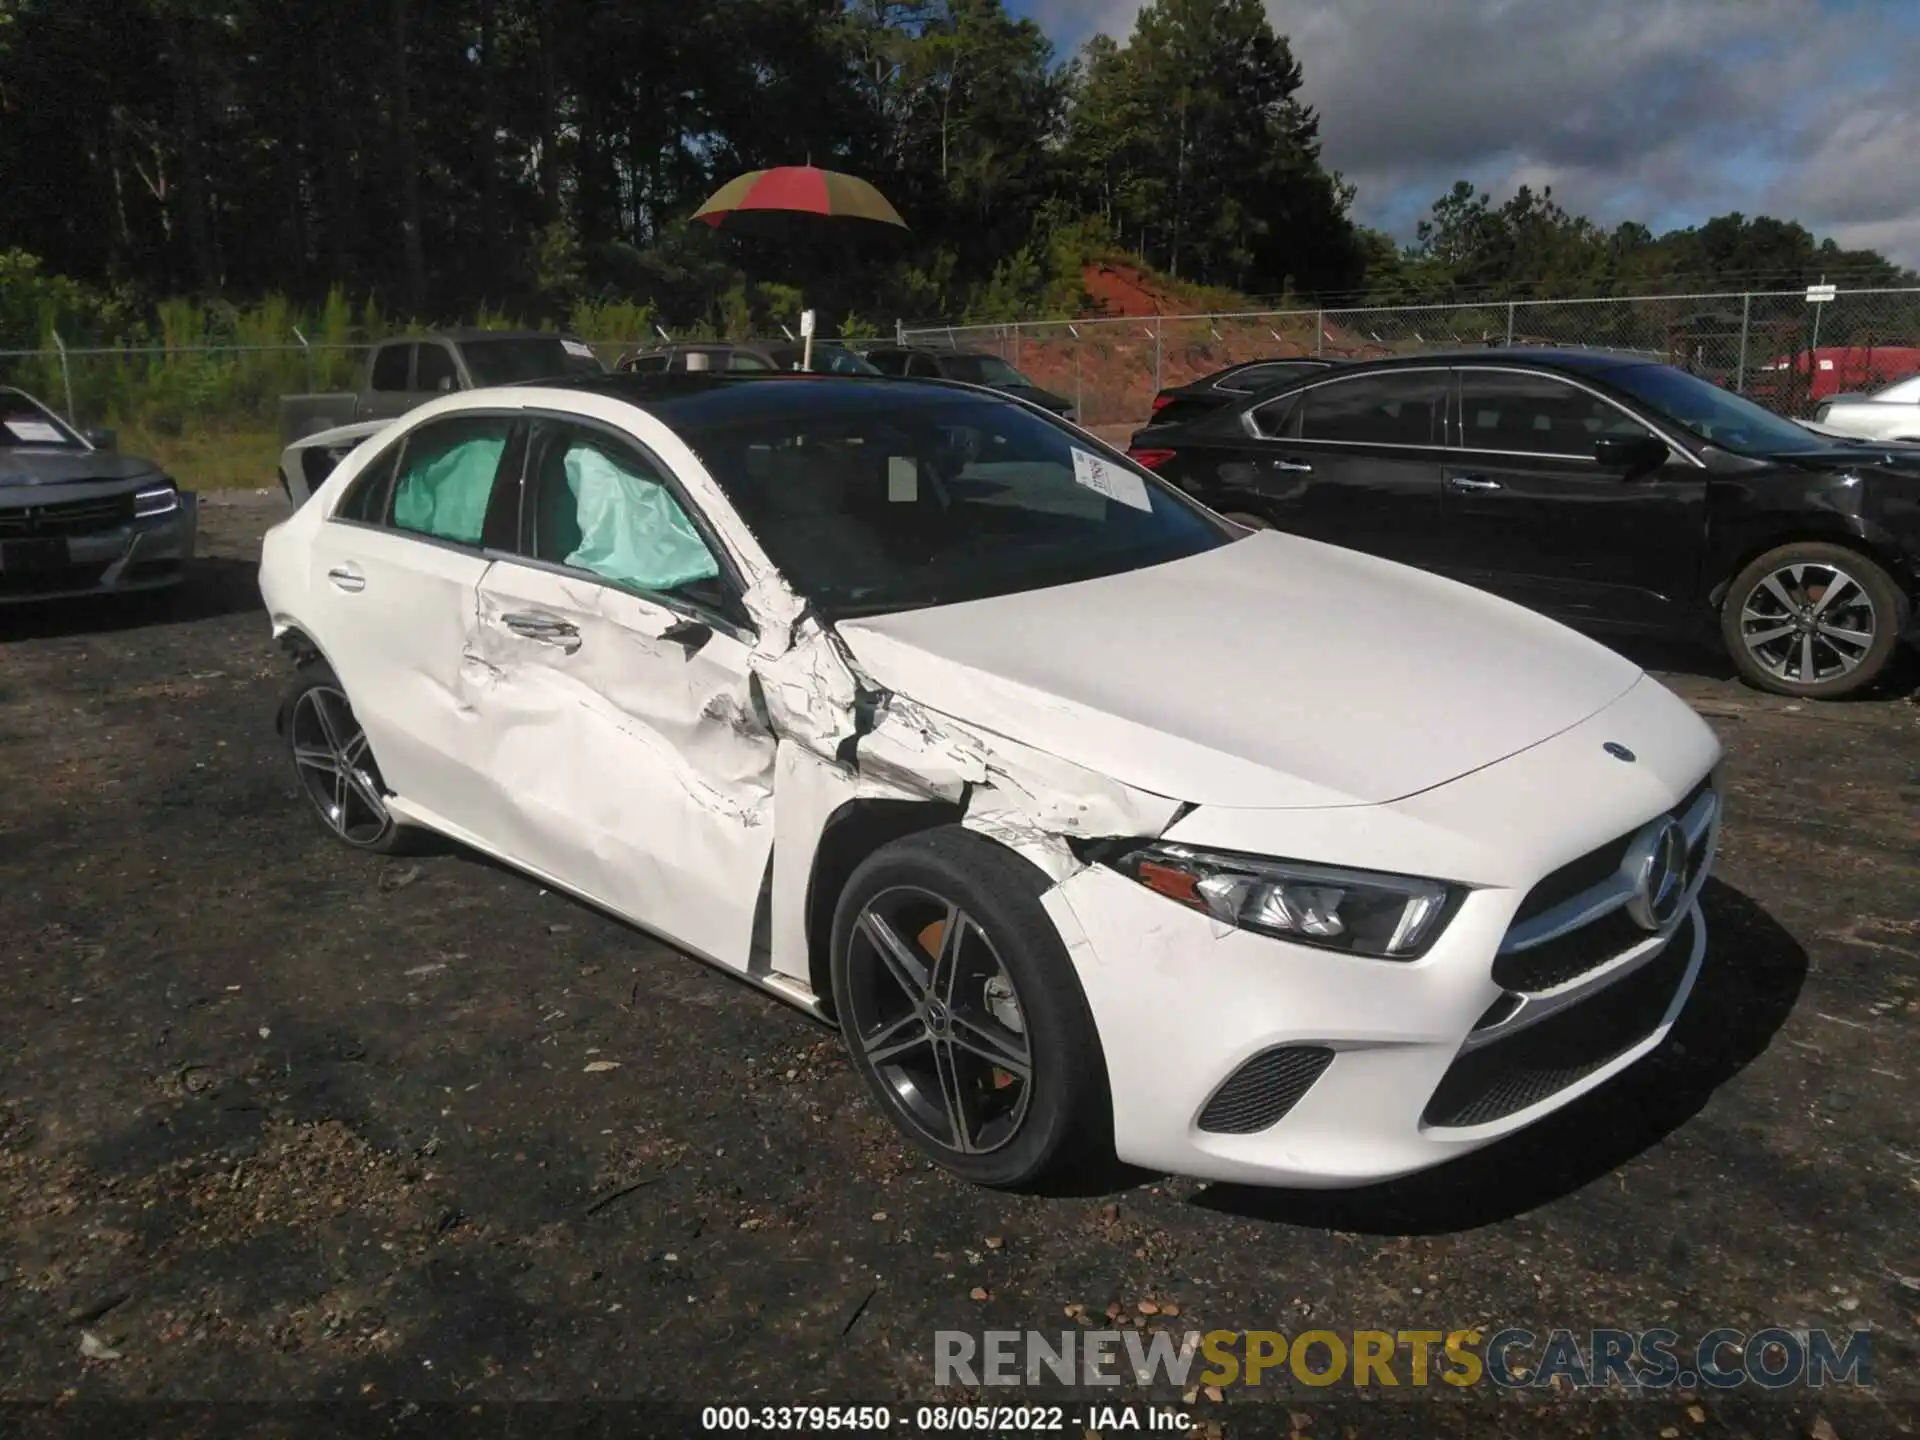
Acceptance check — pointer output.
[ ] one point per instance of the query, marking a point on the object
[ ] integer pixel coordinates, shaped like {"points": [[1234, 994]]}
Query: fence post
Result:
{"points": [[308, 351], [1319, 332], [1016, 344], [66, 375], [1156, 354], [899, 332], [1510, 309], [1740, 366], [1079, 397]]}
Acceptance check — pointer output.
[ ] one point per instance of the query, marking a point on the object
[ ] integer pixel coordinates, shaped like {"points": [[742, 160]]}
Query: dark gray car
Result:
{"points": [[78, 519]]}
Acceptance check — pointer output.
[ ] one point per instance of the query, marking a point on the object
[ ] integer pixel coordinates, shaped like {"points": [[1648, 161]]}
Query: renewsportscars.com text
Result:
{"points": [[1773, 1358]]}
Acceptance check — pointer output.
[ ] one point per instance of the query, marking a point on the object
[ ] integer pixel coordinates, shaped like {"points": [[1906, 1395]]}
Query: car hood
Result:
{"points": [[1849, 453], [1272, 672], [29, 466]]}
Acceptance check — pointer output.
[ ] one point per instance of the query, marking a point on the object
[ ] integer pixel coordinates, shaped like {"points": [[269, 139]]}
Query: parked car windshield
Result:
{"points": [[982, 370], [523, 358], [23, 422], [1717, 416], [827, 360], [872, 500]]}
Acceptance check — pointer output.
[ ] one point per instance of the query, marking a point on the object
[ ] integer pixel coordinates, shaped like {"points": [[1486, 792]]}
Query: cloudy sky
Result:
{"points": [[1667, 111]]}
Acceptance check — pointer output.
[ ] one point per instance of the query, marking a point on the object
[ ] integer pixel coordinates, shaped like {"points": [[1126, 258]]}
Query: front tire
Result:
{"points": [[334, 764], [1813, 620], [961, 1010]]}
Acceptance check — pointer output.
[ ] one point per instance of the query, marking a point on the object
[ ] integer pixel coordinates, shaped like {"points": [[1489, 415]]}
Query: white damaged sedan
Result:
{"points": [[1092, 821]]}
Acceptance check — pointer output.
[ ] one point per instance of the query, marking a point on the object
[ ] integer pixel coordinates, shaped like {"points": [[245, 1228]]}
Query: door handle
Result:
{"points": [[1292, 467], [550, 629], [348, 578], [1473, 482]]}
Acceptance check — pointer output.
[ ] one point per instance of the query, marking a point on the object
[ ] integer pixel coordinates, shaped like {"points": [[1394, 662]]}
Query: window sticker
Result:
{"points": [[1110, 480]]}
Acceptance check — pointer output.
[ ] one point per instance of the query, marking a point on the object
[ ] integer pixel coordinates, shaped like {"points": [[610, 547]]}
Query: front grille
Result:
{"points": [[1264, 1089], [1504, 1077], [1567, 957], [66, 517]]}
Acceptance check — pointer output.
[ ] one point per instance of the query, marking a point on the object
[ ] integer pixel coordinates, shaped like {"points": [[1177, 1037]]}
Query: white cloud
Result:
{"points": [[1664, 110]]}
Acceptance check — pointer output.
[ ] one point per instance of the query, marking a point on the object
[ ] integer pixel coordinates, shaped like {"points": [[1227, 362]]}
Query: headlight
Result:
{"points": [[1360, 912], [158, 500]]}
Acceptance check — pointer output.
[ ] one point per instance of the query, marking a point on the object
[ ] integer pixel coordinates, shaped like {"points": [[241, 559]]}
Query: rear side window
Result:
{"points": [[639, 364], [889, 362], [446, 475], [1374, 409], [433, 370], [1263, 377], [390, 363], [366, 497]]}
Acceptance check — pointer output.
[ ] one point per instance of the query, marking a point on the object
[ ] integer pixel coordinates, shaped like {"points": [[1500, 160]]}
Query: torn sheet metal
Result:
{"points": [[634, 765], [808, 791]]}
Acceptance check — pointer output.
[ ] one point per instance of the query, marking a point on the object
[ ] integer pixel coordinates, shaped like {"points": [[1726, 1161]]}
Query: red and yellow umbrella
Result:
{"points": [[803, 188]]}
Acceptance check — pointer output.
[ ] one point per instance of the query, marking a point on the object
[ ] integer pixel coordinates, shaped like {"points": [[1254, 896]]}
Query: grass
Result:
{"points": [[210, 458]]}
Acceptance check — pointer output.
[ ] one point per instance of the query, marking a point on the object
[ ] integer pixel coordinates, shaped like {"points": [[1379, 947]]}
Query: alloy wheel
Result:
{"points": [[938, 1017], [1808, 623], [336, 767]]}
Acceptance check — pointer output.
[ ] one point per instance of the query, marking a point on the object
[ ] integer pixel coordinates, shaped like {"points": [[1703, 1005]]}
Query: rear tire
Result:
{"points": [[1813, 620], [334, 764], [962, 1012]]}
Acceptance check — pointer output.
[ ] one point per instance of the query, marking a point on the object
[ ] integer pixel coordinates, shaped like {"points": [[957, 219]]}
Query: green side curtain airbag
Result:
{"points": [[631, 531], [447, 497]]}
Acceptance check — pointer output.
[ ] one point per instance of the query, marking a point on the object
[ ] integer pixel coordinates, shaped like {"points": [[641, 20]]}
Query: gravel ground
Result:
{"points": [[278, 1120]]}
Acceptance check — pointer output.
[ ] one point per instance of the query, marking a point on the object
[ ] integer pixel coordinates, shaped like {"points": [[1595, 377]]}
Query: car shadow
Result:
{"points": [[215, 586], [1748, 985]]}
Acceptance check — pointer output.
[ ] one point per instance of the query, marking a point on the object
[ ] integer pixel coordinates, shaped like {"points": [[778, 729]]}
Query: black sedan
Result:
{"points": [[969, 367], [78, 519], [1605, 490], [1178, 404]]}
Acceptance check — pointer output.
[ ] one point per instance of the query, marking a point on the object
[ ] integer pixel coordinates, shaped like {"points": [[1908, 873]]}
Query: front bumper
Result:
{"points": [[150, 553], [1236, 1057]]}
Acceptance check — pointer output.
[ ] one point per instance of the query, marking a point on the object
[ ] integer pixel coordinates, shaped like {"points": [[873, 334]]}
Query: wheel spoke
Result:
{"points": [[1807, 673], [329, 727], [316, 757], [1774, 588], [355, 749], [340, 792], [907, 970], [1762, 637], [1842, 582], [901, 1037], [953, 1092], [986, 1042], [946, 965], [362, 787], [1862, 638]]}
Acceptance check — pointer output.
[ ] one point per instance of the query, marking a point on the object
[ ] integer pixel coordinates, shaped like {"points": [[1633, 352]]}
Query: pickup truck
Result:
{"points": [[401, 374]]}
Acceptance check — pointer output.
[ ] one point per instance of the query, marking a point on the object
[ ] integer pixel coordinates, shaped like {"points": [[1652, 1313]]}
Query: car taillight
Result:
{"points": [[1152, 459], [1161, 401]]}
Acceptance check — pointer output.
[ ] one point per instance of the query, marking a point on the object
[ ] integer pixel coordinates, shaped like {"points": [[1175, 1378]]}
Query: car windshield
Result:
{"points": [[24, 422], [827, 360], [523, 358], [870, 503], [1717, 416], [982, 370]]}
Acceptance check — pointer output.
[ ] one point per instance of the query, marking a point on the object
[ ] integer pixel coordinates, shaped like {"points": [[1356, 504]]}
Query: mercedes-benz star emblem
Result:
{"points": [[1657, 865], [1618, 751]]}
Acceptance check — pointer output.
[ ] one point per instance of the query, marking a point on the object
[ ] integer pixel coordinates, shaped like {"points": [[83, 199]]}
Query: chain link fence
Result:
{"points": [[166, 389], [1775, 347]]}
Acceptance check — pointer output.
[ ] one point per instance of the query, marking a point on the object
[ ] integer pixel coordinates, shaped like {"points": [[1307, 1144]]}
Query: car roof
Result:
{"points": [[692, 400], [460, 335], [1547, 357]]}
